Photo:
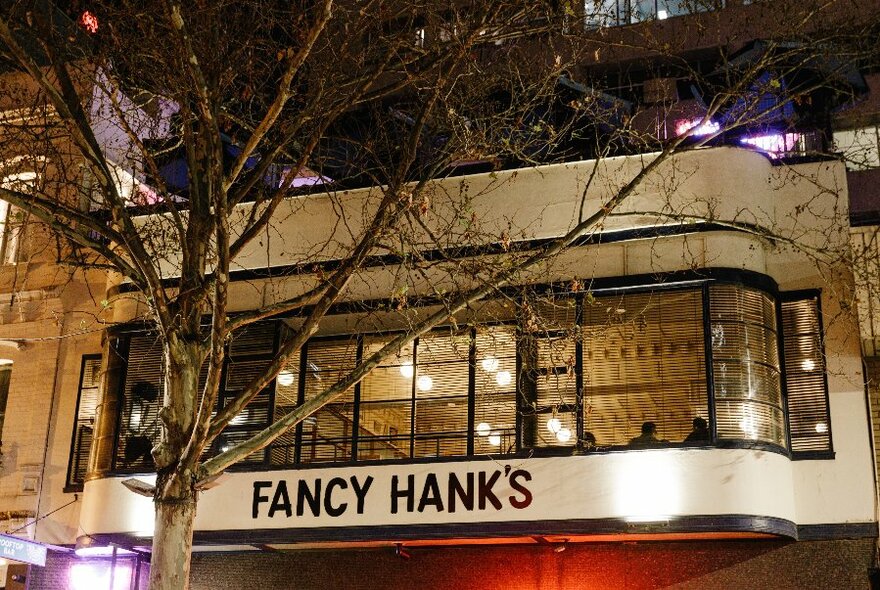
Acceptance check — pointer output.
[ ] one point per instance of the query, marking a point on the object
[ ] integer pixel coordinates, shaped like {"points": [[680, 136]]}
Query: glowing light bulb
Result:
{"points": [[808, 365], [406, 369], [564, 435], [483, 428], [425, 383], [495, 439], [490, 364], [286, 378], [821, 428], [554, 425], [503, 377]]}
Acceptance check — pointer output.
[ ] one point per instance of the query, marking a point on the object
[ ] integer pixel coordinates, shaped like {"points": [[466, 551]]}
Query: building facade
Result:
{"points": [[509, 448], [515, 430]]}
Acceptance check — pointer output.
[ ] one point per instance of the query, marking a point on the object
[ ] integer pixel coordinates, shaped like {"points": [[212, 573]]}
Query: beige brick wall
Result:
{"points": [[872, 375]]}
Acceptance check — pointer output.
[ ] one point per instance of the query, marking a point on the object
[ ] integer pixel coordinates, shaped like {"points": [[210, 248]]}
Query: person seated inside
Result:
{"points": [[648, 436], [588, 441], [700, 433]]}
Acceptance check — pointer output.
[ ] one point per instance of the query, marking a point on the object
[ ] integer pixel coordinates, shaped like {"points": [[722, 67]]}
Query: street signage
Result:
{"points": [[18, 549]]}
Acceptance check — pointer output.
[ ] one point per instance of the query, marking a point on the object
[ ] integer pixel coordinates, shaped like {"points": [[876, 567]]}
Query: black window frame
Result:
{"points": [[72, 484], [793, 297], [605, 287]]}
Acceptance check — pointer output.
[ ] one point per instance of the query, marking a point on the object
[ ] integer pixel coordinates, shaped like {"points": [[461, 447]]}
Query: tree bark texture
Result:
{"points": [[173, 536]]}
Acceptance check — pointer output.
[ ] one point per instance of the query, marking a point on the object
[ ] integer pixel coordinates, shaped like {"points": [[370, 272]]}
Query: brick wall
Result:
{"points": [[872, 374], [685, 565]]}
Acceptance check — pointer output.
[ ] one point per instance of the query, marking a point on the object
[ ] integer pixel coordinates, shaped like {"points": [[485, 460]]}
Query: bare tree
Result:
{"points": [[170, 134]]}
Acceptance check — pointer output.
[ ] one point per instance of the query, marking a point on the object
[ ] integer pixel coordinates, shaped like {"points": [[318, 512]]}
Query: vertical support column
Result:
{"points": [[104, 444], [527, 390]]}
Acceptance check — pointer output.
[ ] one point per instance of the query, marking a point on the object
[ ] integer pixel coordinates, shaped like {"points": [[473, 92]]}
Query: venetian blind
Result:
{"points": [[806, 387]]}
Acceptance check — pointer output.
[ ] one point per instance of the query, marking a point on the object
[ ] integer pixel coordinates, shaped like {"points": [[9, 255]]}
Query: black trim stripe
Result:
{"points": [[729, 523], [844, 530]]}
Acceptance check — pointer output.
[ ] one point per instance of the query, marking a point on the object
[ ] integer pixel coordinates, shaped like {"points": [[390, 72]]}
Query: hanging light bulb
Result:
{"points": [[483, 428], [564, 435], [425, 383], [286, 378], [495, 439], [503, 378], [490, 364], [406, 369], [554, 425]]}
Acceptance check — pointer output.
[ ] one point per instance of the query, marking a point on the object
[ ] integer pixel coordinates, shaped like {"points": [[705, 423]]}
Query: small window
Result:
{"points": [[83, 428], [806, 385], [12, 219], [5, 374]]}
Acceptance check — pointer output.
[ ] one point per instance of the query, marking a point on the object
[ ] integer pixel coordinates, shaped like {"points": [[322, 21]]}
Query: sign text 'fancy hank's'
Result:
{"points": [[473, 490]]}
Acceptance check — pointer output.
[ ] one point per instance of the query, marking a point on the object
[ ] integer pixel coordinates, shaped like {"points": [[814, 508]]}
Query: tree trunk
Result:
{"points": [[172, 539]]}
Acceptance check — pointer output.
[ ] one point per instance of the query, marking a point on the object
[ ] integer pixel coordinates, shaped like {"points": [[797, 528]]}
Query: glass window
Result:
{"points": [[12, 219], [549, 379], [84, 424], [806, 386], [495, 390], [141, 396], [745, 364], [585, 371], [5, 375], [609, 13], [441, 409], [643, 361], [327, 435]]}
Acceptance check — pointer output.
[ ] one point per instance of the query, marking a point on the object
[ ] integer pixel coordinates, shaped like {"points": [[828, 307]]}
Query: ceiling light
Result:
{"points": [[425, 383], [503, 377], [490, 364], [483, 428], [286, 378], [406, 369]]}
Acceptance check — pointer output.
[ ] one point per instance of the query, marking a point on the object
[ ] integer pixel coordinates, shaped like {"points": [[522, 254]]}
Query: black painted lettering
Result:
{"points": [[304, 494], [258, 497], [281, 501], [408, 493], [329, 508], [431, 494], [464, 493], [361, 491], [520, 503], [485, 490]]}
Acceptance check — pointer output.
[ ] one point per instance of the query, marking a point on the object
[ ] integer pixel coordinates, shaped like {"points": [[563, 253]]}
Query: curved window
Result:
{"points": [[689, 365], [745, 365]]}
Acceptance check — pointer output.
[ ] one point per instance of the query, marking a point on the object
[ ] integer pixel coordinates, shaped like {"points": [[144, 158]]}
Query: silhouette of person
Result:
{"points": [[648, 436], [700, 433]]}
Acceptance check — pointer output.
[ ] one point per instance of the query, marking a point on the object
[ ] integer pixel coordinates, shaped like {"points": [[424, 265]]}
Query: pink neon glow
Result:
{"points": [[682, 126], [95, 575], [774, 145]]}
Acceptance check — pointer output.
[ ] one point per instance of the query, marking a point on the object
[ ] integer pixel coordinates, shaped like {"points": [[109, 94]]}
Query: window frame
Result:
{"points": [[71, 484], [805, 295], [701, 284]]}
